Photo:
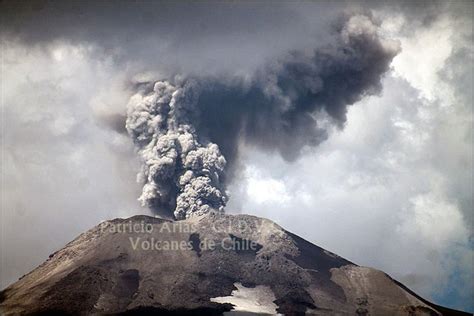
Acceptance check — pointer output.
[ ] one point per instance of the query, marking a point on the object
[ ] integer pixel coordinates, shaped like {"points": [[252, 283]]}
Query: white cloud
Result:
{"points": [[61, 171], [265, 189], [424, 54], [438, 223]]}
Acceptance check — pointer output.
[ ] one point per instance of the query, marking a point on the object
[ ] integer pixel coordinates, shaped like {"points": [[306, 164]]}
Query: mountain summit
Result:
{"points": [[205, 265]]}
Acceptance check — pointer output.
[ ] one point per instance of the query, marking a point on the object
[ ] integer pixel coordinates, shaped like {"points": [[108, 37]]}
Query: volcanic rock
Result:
{"points": [[212, 264]]}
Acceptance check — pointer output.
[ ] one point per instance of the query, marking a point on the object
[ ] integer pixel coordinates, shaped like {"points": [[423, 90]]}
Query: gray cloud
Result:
{"points": [[276, 110], [171, 37], [398, 178], [179, 172]]}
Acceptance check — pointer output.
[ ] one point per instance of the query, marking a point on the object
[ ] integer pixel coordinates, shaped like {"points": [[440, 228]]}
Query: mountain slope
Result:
{"points": [[213, 264]]}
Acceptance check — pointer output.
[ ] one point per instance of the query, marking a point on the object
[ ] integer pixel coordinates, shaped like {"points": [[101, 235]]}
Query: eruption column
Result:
{"points": [[178, 171]]}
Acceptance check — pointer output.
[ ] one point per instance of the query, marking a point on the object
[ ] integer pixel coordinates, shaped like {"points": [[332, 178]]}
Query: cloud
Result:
{"points": [[183, 124], [62, 172], [393, 189], [263, 189], [167, 37]]}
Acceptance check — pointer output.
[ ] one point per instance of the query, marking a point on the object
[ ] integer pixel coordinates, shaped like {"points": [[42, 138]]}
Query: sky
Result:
{"points": [[389, 186]]}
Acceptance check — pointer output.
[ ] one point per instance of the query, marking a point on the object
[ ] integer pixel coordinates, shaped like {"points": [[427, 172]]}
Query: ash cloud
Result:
{"points": [[188, 128], [178, 170]]}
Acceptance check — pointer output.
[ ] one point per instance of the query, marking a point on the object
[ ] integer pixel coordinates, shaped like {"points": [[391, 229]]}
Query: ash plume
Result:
{"points": [[178, 170], [187, 129]]}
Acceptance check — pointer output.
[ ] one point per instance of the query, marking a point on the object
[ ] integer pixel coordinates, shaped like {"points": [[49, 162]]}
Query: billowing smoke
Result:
{"points": [[178, 169], [187, 129]]}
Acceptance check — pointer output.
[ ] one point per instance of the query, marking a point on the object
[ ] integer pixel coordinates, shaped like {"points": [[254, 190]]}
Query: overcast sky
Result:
{"points": [[391, 189]]}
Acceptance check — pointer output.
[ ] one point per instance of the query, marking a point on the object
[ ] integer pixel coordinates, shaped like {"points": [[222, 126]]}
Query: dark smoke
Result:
{"points": [[185, 126]]}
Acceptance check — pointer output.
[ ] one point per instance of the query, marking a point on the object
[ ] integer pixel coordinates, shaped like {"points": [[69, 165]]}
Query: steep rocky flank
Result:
{"points": [[208, 265]]}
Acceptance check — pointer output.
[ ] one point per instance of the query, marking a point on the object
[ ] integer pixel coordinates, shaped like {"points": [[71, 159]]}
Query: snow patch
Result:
{"points": [[255, 300]]}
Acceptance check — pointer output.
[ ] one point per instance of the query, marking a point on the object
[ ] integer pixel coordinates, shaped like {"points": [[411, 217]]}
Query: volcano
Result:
{"points": [[211, 264]]}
